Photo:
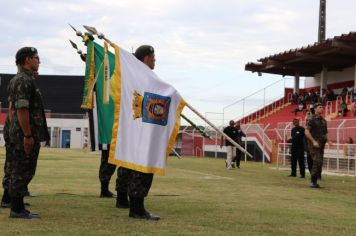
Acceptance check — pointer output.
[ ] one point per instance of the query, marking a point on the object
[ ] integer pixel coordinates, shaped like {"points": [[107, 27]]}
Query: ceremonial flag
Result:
{"points": [[100, 64], [146, 117]]}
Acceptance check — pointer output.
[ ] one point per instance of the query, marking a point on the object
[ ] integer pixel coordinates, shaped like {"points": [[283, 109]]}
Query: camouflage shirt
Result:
{"points": [[318, 128], [23, 93]]}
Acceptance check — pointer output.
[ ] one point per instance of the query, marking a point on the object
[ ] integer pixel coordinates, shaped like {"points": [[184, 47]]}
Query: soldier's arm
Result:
{"points": [[22, 97], [23, 116], [10, 112]]}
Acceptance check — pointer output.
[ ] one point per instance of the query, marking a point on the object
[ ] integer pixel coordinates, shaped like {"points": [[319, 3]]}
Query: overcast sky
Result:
{"points": [[201, 46]]}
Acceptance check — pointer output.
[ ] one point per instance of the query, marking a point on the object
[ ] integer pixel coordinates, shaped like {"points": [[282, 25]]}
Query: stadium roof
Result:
{"points": [[335, 54]]}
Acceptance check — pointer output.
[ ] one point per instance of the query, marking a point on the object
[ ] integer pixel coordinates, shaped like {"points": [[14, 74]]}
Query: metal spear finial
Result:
{"points": [[74, 45], [77, 32], [93, 31]]}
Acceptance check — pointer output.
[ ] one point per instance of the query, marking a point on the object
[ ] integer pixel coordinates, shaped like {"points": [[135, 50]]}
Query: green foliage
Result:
{"points": [[198, 196]]}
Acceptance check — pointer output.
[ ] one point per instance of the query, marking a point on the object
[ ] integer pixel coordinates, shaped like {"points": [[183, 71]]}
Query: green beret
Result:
{"points": [[25, 52], [142, 51]]}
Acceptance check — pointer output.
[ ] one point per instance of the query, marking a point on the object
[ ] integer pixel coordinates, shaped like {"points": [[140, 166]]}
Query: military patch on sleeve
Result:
{"points": [[153, 108]]}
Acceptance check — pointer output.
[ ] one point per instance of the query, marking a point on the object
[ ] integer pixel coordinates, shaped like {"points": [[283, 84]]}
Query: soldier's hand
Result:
{"points": [[28, 145], [316, 144]]}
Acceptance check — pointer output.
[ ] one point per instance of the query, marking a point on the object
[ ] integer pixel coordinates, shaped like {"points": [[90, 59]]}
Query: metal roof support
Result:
{"points": [[296, 83], [323, 80]]}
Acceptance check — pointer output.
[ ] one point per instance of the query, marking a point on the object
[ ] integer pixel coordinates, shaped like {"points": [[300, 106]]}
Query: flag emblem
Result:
{"points": [[153, 108]]}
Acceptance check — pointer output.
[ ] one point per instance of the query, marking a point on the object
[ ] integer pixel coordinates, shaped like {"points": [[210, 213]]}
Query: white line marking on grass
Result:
{"points": [[324, 172], [207, 175]]}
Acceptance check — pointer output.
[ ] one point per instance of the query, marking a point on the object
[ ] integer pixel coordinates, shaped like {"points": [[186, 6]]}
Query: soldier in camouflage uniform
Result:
{"points": [[316, 132], [27, 129], [106, 170], [134, 183]]}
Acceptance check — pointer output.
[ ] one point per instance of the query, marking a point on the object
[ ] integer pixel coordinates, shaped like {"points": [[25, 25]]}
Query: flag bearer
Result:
{"points": [[134, 183]]}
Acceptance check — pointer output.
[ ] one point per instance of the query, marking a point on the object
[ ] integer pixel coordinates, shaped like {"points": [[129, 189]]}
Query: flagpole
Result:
{"points": [[219, 131], [175, 152], [195, 126]]}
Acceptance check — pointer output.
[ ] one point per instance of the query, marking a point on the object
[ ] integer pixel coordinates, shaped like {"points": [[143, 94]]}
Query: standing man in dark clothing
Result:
{"points": [[130, 182], [316, 133], [233, 133], [28, 127], [238, 140], [297, 149], [106, 170]]}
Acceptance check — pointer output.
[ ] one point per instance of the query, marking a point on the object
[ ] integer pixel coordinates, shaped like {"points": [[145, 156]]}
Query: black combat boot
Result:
{"points": [[137, 210], [314, 182], [122, 200], [18, 210], [6, 200], [105, 193]]}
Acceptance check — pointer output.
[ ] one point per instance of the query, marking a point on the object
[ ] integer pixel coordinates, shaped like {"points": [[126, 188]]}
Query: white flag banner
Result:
{"points": [[147, 116]]}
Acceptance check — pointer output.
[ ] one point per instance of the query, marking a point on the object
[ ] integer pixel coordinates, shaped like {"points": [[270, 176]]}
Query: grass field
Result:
{"points": [[196, 197]]}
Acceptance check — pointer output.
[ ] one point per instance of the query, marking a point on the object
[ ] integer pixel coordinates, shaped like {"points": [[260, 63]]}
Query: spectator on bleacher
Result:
{"points": [[343, 107], [295, 97], [313, 97], [306, 97], [300, 108], [297, 150], [324, 99], [316, 132], [330, 95], [349, 148], [344, 92]]}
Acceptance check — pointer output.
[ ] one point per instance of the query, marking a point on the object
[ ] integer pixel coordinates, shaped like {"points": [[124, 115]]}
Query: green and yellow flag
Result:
{"points": [[100, 65]]}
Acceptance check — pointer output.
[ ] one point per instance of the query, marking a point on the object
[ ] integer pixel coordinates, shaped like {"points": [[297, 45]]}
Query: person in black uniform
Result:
{"points": [[238, 140], [297, 149], [232, 132]]}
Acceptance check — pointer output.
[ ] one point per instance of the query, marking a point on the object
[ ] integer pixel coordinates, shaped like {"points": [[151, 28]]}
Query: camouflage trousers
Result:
{"points": [[106, 170], [22, 169], [135, 183], [317, 155]]}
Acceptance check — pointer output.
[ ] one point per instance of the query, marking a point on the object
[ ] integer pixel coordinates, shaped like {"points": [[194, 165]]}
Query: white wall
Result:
{"points": [[332, 77], [76, 136]]}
